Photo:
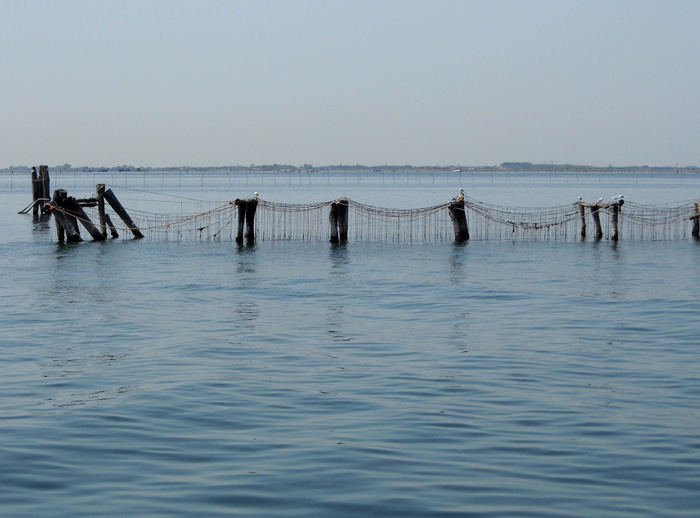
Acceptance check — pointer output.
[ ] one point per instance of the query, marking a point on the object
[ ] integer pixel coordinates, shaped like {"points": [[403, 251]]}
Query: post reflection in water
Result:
{"points": [[339, 262], [246, 309]]}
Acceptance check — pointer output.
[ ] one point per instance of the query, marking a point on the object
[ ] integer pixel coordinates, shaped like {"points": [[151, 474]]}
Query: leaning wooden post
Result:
{"points": [[112, 229], [596, 221], [114, 203], [582, 212], [458, 215], [696, 221], [74, 207], [250, 209], [614, 211]]}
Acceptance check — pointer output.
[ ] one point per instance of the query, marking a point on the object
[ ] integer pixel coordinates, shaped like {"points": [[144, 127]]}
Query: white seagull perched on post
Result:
{"points": [[600, 200]]}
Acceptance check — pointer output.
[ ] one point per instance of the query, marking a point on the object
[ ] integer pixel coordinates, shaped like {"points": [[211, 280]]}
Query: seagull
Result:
{"points": [[600, 200], [460, 196], [618, 197]]}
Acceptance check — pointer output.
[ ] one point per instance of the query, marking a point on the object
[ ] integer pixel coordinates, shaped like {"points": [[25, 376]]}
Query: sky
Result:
{"points": [[156, 83]]}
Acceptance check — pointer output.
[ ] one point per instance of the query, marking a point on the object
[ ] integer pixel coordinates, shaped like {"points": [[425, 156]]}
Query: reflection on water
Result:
{"points": [[246, 313], [458, 258], [339, 256], [246, 309]]}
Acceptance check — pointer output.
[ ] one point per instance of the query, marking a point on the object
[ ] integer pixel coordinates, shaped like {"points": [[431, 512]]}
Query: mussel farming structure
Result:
{"points": [[460, 219]]}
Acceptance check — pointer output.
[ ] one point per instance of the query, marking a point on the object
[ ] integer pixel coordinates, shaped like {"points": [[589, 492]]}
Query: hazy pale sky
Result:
{"points": [[437, 82]]}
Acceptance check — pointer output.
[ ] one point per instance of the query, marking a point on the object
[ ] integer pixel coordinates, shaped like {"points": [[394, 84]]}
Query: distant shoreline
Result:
{"points": [[515, 167]]}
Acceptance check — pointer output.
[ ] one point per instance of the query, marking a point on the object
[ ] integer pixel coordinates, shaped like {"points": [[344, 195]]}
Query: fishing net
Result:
{"points": [[275, 221], [656, 222]]}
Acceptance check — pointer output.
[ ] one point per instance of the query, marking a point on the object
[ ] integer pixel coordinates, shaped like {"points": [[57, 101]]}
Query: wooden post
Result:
{"points": [[614, 211], [114, 203], [696, 221], [338, 219], [241, 219], [44, 184], [65, 226], [35, 193], [596, 221], [333, 220], [458, 215], [58, 217], [343, 209], [100, 188], [582, 212], [250, 209], [71, 205], [246, 219]]}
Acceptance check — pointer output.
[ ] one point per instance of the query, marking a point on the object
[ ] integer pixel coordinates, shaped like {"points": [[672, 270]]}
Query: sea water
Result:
{"points": [[303, 378]]}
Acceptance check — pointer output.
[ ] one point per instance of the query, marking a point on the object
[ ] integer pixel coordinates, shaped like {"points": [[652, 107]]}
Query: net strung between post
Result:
{"points": [[309, 221]]}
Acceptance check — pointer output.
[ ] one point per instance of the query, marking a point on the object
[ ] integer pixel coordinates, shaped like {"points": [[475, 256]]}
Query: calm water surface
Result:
{"points": [[307, 379]]}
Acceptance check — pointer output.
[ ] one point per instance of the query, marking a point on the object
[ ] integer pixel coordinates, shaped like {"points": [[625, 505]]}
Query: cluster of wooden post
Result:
{"points": [[41, 187], [68, 212], [338, 219], [614, 208], [246, 219]]}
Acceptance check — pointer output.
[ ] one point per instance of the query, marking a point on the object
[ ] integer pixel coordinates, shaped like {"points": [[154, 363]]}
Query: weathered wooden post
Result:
{"points": [[596, 221], [100, 188], [44, 185], [112, 229], [614, 211], [582, 212], [241, 219], [35, 193], [105, 220], [338, 219], [114, 203], [458, 215], [696, 221], [333, 220], [343, 210], [246, 219], [58, 218], [65, 224], [250, 209]]}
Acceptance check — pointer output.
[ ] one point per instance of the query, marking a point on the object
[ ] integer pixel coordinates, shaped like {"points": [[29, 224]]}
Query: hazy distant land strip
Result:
{"points": [[505, 166]]}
